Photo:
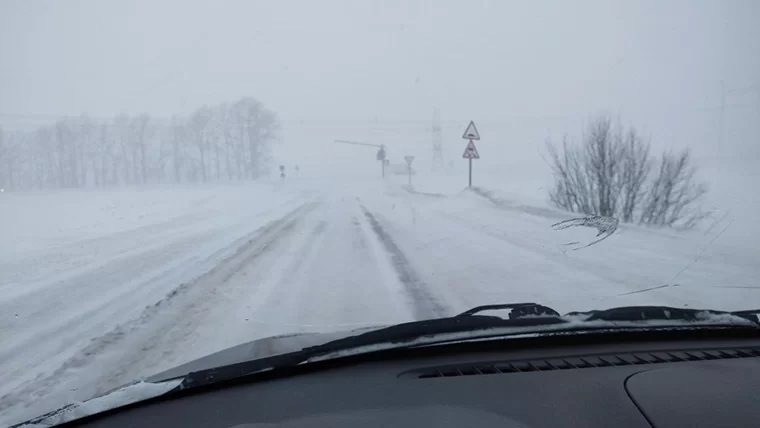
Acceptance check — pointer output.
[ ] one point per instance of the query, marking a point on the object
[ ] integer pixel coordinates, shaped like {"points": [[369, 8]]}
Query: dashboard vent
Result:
{"points": [[583, 362]]}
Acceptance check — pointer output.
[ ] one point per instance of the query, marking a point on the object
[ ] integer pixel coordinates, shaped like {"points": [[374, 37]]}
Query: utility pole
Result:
{"points": [[722, 115]]}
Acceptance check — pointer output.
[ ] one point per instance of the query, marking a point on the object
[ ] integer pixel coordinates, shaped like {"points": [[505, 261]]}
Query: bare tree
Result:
{"points": [[259, 127], [603, 155], [226, 141], [610, 174], [124, 159], [85, 131], [227, 124], [9, 151], [589, 176], [673, 192], [635, 169], [139, 134], [43, 141], [197, 126]]}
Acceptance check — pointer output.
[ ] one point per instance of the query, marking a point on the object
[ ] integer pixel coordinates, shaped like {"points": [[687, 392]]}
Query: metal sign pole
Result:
{"points": [[409, 160], [470, 185]]}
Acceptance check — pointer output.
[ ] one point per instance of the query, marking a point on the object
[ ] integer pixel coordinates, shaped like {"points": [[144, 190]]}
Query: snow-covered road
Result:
{"points": [[190, 272]]}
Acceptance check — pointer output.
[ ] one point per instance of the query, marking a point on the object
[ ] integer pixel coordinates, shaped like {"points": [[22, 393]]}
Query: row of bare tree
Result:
{"points": [[230, 141], [612, 173]]}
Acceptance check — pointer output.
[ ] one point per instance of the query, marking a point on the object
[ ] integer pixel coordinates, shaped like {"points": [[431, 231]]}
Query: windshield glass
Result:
{"points": [[180, 177]]}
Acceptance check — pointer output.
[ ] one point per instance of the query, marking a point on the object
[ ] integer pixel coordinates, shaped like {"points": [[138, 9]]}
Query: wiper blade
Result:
{"points": [[521, 315], [661, 313]]}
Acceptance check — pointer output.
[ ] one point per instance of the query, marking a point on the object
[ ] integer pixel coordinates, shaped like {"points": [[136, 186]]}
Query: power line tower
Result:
{"points": [[722, 123], [437, 142]]}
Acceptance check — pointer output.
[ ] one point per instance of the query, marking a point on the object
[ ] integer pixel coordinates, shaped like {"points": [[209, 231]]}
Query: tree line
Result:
{"points": [[229, 141], [611, 172]]}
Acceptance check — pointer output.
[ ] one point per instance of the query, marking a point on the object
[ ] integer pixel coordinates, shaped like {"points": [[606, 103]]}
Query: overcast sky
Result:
{"points": [[523, 70]]}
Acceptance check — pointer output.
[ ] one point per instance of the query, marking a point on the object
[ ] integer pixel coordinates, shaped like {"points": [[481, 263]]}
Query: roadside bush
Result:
{"points": [[612, 173]]}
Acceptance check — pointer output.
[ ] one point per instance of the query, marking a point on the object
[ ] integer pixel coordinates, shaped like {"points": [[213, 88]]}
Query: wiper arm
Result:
{"points": [[518, 310], [522, 315]]}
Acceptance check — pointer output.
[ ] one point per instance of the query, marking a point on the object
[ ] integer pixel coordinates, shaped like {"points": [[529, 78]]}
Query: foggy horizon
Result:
{"points": [[656, 65]]}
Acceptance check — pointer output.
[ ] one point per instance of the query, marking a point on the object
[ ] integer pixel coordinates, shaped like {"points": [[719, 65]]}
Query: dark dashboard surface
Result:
{"points": [[661, 384]]}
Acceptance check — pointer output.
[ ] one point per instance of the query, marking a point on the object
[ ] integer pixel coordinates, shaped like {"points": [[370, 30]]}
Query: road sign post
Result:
{"points": [[469, 182], [409, 160], [471, 152], [381, 158]]}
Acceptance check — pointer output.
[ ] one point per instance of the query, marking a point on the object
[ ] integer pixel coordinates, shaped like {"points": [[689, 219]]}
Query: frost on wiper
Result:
{"points": [[665, 313], [605, 226]]}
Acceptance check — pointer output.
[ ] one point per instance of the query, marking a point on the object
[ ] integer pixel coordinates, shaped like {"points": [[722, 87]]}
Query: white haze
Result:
{"points": [[375, 71], [101, 286]]}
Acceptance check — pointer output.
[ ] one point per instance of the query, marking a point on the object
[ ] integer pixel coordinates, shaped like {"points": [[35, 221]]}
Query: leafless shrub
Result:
{"points": [[671, 195], [610, 173]]}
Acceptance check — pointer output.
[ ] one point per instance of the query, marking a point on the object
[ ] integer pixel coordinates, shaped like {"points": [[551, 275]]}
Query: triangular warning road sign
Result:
{"points": [[471, 152], [471, 133]]}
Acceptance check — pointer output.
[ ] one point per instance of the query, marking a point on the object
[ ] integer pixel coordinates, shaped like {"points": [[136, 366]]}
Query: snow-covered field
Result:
{"points": [[99, 288]]}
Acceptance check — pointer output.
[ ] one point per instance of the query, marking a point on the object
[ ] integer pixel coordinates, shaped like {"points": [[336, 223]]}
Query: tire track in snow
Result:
{"points": [[108, 283], [280, 296], [70, 371], [340, 279], [425, 306], [169, 335], [67, 260]]}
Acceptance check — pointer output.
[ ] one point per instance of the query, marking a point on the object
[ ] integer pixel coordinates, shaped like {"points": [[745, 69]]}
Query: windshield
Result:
{"points": [[178, 178]]}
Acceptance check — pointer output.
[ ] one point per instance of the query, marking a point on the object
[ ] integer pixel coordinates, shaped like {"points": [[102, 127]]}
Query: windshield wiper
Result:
{"points": [[521, 315], [661, 313]]}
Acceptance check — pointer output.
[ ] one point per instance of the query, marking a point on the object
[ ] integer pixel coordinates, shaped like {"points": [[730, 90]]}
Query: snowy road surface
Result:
{"points": [[129, 283]]}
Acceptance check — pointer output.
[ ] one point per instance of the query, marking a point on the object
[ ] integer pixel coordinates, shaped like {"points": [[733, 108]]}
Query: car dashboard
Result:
{"points": [[683, 383]]}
